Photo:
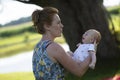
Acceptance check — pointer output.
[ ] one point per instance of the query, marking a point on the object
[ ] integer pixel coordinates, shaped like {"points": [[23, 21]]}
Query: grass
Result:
{"points": [[18, 38], [17, 44], [17, 76], [21, 45], [30, 76]]}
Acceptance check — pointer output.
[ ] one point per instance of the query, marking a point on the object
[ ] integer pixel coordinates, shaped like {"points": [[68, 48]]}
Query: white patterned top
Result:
{"points": [[82, 52]]}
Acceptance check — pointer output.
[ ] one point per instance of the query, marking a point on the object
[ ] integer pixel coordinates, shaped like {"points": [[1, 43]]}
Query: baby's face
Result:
{"points": [[88, 37]]}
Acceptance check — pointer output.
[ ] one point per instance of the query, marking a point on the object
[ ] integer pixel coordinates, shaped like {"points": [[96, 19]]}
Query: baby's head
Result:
{"points": [[90, 36]]}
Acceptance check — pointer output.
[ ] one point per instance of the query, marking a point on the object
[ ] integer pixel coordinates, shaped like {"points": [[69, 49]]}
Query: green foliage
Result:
{"points": [[20, 43], [115, 15], [8, 33], [115, 10], [19, 21]]}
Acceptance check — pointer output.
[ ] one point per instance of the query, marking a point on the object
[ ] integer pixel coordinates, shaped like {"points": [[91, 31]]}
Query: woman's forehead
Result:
{"points": [[56, 16]]}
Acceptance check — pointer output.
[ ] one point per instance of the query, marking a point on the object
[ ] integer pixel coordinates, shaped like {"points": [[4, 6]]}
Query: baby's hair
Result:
{"points": [[41, 17], [97, 35]]}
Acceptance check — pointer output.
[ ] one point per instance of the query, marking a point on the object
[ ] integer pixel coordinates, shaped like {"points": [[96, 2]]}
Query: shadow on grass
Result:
{"points": [[101, 72]]}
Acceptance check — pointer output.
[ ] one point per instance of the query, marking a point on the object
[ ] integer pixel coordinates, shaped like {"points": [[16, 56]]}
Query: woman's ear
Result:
{"points": [[47, 27]]}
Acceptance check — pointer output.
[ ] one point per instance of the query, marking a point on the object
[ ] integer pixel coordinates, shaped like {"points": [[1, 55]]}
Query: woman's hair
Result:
{"points": [[41, 17]]}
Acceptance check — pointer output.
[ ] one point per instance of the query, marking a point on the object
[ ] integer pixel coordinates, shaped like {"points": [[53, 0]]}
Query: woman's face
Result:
{"points": [[56, 26]]}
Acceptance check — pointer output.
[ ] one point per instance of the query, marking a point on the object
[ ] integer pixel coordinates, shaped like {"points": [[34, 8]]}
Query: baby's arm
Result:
{"points": [[70, 52], [93, 62]]}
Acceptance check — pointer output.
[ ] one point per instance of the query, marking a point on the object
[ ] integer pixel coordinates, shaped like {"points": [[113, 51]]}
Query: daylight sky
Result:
{"points": [[13, 10]]}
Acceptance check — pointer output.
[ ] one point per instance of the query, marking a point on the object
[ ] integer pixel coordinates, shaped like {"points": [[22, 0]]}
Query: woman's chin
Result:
{"points": [[59, 35]]}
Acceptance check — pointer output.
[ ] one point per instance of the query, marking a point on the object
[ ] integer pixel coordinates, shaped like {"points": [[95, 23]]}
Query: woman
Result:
{"points": [[49, 58]]}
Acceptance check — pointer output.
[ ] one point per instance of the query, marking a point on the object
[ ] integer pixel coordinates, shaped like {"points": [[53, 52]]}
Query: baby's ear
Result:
{"points": [[92, 40], [95, 42]]}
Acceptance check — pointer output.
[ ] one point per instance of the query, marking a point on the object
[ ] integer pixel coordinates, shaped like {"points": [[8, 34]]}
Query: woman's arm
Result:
{"points": [[58, 53]]}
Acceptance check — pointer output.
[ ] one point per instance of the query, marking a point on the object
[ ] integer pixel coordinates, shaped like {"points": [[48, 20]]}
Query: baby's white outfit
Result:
{"points": [[82, 52]]}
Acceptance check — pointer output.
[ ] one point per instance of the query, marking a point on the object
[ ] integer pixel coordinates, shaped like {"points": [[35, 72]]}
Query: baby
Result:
{"points": [[90, 40]]}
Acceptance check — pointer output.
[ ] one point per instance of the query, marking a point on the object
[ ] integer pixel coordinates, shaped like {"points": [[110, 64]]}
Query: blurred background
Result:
{"points": [[18, 37]]}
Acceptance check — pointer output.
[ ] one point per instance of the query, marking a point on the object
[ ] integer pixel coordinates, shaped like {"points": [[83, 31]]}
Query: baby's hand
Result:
{"points": [[92, 66]]}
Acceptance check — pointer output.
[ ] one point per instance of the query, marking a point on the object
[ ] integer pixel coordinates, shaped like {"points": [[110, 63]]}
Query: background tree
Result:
{"points": [[81, 15]]}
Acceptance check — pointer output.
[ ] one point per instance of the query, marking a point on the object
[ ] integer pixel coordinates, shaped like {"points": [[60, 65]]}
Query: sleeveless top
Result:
{"points": [[43, 67]]}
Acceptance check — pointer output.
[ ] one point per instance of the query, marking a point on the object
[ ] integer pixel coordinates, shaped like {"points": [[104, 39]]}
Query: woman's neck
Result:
{"points": [[47, 37]]}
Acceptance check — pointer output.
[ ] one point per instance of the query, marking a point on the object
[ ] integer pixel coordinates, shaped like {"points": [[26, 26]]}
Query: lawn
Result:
{"points": [[17, 44], [30, 76], [17, 76], [22, 42]]}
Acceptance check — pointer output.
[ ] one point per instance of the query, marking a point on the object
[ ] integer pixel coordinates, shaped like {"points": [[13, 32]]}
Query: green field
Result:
{"points": [[17, 76], [115, 14], [20, 43], [30, 76]]}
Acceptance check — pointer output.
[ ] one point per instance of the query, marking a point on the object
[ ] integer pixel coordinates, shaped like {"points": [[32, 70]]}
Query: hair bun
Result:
{"points": [[36, 16]]}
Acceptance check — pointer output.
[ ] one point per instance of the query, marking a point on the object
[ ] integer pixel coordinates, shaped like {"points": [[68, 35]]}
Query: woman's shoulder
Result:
{"points": [[55, 50], [54, 46]]}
